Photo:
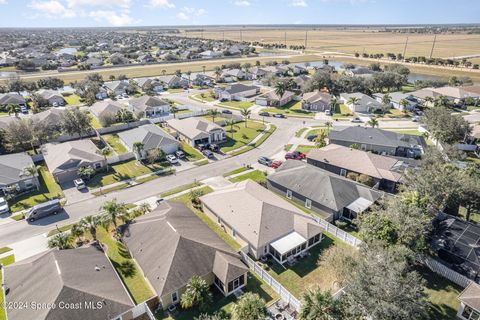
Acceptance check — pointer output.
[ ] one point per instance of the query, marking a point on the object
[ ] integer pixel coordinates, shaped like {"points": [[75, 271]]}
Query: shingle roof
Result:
{"points": [[456, 92], [72, 276], [103, 107], [12, 167], [272, 95], [326, 188], [376, 136], [316, 96], [171, 245], [150, 135], [426, 92], [13, 98], [471, 296], [193, 128], [258, 214], [368, 163], [144, 102], [61, 156], [52, 116], [238, 87]]}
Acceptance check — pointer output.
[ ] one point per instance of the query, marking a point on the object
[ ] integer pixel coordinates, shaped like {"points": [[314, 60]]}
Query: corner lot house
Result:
{"points": [[116, 87], [11, 98], [64, 159], [386, 172], [151, 136], [196, 131], [316, 101], [12, 173], [469, 302], [379, 141], [326, 193], [171, 245], [81, 276], [150, 84], [148, 106], [271, 98], [365, 104], [237, 92], [396, 100], [54, 98], [262, 221]]}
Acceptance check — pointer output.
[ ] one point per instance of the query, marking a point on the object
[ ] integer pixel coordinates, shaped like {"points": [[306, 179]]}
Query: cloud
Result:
{"points": [[186, 13], [242, 3], [3, 1], [113, 18], [99, 3], [298, 3], [52, 9], [161, 4]]}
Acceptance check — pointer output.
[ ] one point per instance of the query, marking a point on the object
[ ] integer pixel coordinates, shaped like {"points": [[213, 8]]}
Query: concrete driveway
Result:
{"points": [[72, 194]]}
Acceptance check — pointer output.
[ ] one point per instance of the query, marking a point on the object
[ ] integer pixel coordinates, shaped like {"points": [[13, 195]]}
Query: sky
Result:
{"points": [[106, 13]]}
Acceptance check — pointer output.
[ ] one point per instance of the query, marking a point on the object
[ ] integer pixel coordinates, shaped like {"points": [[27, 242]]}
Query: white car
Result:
{"points": [[79, 184], [328, 112], [356, 120], [3, 206], [171, 158]]}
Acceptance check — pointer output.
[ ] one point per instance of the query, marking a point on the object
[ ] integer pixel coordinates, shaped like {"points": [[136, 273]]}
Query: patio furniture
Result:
{"points": [[279, 316]]}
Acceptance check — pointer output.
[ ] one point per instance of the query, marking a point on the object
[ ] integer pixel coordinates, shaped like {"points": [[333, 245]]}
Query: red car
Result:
{"points": [[295, 155], [275, 164]]}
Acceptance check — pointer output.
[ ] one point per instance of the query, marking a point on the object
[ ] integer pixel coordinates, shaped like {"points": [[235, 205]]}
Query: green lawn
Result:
{"points": [[207, 98], [293, 108], [342, 111], [48, 190], [255, 175], [395, 113], [5, 261], [72, 99], [95, 123], [299, 133], [180, 189], [217, 118], [114, 141], [237, 104], [5, 249], [304, 149], [123, 171], [315, 131], [414, 132], [287, 147], [118, 253], [241, 135], [238, 170], [306, 272], [191, 153]]}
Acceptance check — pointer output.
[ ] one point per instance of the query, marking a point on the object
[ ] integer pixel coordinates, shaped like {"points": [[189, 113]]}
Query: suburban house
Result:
{"points": [[231, 75], [150, 84], [147, 106], [271, 98], [262, 221], [11, 98], [52, 116], [151, 137], [171, 245], [396, 100], [456, 94], [328, 194], [469, 308], [300, 80], [385, 172], [13, 176], [379, 141], [237, 92], [64, 159], [201, 80], [257, 72], [475, 89], [116, 88], [173, 81], [83, 277], [422, 94], [316, 101], [365, 104], [103, 109], [196, 131], [54, 98], [360, 72]]}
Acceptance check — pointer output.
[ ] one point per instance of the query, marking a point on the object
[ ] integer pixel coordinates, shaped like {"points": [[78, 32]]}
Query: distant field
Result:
{"points": [[354, 40]]}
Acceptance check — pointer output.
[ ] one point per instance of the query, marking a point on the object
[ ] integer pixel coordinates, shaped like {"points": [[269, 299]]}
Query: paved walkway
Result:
{"points": [[30, 247]]}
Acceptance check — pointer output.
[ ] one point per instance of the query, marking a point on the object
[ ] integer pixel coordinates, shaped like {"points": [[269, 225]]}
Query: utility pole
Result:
{"points": [[433, 46], [405, 48], [306, 37], [285, 39], [223, 35]]}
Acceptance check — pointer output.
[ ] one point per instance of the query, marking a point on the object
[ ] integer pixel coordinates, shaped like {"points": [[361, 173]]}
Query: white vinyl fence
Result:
{"points": [[445, 271], [337, 232]]}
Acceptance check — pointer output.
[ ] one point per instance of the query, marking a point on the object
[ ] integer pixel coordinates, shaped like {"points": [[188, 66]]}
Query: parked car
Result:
{"points": [[201, 147], [207, 153], [279, 115], [328, 112], [312, 137], [3, 206], [180, 154], [79, 184], [24, 109], [275, 164], [213, 147], [226, 111], [265, 161], [171, 158], [264, 114], [415, 118], [43, 210], [295, 155], [356, 120]]}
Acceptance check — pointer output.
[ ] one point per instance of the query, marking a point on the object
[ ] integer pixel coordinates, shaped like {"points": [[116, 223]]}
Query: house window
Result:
{"points": [[308, 203], [234, 234], [28, 184], [235, 284], [343, 172], [97, 165], [470, 314], [289, 194], [175, 297]]}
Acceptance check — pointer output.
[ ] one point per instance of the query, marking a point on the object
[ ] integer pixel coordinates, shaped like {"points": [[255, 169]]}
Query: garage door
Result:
{"points": [[66, 176], [171, 148]]}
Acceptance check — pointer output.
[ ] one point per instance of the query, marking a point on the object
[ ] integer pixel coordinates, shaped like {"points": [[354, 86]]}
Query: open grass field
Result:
{"points": [[241, 135]]}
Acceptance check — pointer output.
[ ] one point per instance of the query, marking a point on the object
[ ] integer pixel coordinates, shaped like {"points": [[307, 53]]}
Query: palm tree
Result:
{"points": [[144, 207], [189, 73], [202, 95], [231, 123], [386, 100], [61, 241], [328, 124], [442, 101], [77, 231], [138, 148], [30, 171], [333, 104], [13, 108], [217, 72], [105, 152], [280, 89], [86, 172], [404, 103], [249, 306], [373, 122], [164, 72], [213, 113], [197, 292], [91, 223], [203, 68], [317, 305], [113, 211], [245, 114], [174, 109], [428, 100], [353, 101]]}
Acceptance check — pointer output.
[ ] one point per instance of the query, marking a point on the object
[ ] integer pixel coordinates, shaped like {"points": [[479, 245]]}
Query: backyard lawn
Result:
{"points": [[293, 108], [241, 135], [123, 171], [72, 99], [48, 190], [237, 104], [342, 111], [114, 141]]}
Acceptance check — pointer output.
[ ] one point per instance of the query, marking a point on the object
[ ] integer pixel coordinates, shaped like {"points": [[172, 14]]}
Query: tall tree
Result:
{"points": [[115, 211], [197, 293], [245, 114], [445, 127], [373, 122], [249, 306], [75, 121], [62, 240], [318, 305], [213, 113], [90, 224]]}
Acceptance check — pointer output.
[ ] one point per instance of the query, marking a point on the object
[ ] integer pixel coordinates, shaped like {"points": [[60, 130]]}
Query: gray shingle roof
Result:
{"points": [[144, 102], [171, 245], [11, 167], [13, 98], [238, 87], [105, 107], [69, 276], [150, 135], [62, 156], [193, 128], [326, 188]]}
